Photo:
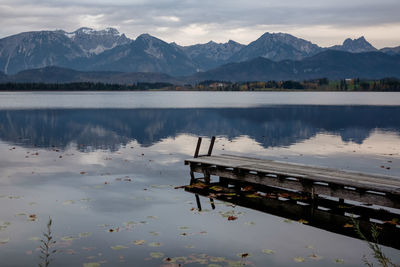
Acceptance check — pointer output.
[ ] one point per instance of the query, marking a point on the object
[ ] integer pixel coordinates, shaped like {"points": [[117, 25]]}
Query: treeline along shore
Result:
{"points": [[323, 84]]}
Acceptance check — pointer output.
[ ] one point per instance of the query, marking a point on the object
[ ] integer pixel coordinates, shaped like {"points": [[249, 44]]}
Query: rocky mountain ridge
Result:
{"points": [[87, 49]]}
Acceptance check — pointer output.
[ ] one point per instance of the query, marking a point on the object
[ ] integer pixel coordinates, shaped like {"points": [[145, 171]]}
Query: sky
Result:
{"points": [[186, 22]]}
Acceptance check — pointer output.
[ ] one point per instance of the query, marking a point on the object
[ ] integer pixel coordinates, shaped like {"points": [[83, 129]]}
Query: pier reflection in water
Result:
{"points": [[324, 213]]}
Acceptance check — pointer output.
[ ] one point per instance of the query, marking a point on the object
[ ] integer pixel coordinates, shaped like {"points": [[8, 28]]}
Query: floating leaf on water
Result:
{"points": [[310, 247], [32, 203], [68, 202], [235, 263], [338, 260], [15, 197], [154, 233], [154, 244], [130, 223], [86, 234], [156, 255], [348, 225], [315, 257], [91, 264], [268, 251], [183, 228], [4, 241], [34, 238], [67, 251], [152, 217], [250, 223], [299, 259], [244, 255], [232, 218], [287, 221], [99, 186], [217, 259], [21, 214], [119, 247], [82, 173], [68, 238], [88, 248], [302, 221], [189, 246], [139, 242], [32, 217]]}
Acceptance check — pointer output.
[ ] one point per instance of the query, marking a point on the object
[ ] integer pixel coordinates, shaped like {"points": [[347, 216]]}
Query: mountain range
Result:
{"points": [[109, 55]]}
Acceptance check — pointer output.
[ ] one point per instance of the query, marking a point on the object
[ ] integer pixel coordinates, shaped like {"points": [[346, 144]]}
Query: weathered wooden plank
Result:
{"points": [[387, 184], [312, 188], [314, 169]]}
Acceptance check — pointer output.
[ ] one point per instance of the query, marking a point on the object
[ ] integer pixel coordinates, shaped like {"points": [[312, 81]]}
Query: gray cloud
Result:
{"points": [[191, 21]]}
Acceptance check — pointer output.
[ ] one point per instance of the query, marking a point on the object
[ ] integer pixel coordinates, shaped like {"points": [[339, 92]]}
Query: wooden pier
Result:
{"points": [[325, 198], [371, 189]]}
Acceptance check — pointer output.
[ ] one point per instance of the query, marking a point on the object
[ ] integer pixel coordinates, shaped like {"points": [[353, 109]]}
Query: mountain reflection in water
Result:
{"points": [[274, 126]]}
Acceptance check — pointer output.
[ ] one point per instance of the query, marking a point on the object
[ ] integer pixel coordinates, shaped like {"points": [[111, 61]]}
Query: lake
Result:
{"points": [[104, 167]]}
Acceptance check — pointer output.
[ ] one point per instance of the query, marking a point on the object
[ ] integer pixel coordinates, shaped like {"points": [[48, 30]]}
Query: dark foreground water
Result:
{"points": [[106, 176]]}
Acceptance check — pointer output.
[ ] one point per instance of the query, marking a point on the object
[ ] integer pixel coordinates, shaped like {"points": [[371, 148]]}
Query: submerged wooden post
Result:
{"points": [[198, 202]]}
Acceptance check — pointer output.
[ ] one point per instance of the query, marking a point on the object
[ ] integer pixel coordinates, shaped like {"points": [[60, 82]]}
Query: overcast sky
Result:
{"points": [[324, 22]]}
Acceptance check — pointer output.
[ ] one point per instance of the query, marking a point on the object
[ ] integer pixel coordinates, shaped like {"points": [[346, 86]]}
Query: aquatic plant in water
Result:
{"points": [[377, 252], [46, 246]]}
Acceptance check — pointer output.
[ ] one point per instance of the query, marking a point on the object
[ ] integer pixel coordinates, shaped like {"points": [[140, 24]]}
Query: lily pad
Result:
{"points": [[68, 238], [299, 259], [338, 260], [156, 255], [4, 241], [268, 251], [86, 234], [119, 247], [315, 257], [154, 244], [217, 259], [139, 242], [154, 233]]}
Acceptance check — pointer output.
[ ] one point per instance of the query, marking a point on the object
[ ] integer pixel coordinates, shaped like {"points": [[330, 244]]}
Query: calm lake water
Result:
{"points": [[104, 166]]}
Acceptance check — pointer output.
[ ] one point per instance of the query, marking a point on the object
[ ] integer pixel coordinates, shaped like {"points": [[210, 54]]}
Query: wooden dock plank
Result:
{"points": [[365, 188], [377, 182]]}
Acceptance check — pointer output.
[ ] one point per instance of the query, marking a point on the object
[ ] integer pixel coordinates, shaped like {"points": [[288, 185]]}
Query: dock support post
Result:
{"points": [[210, 148], [196, 152]]}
